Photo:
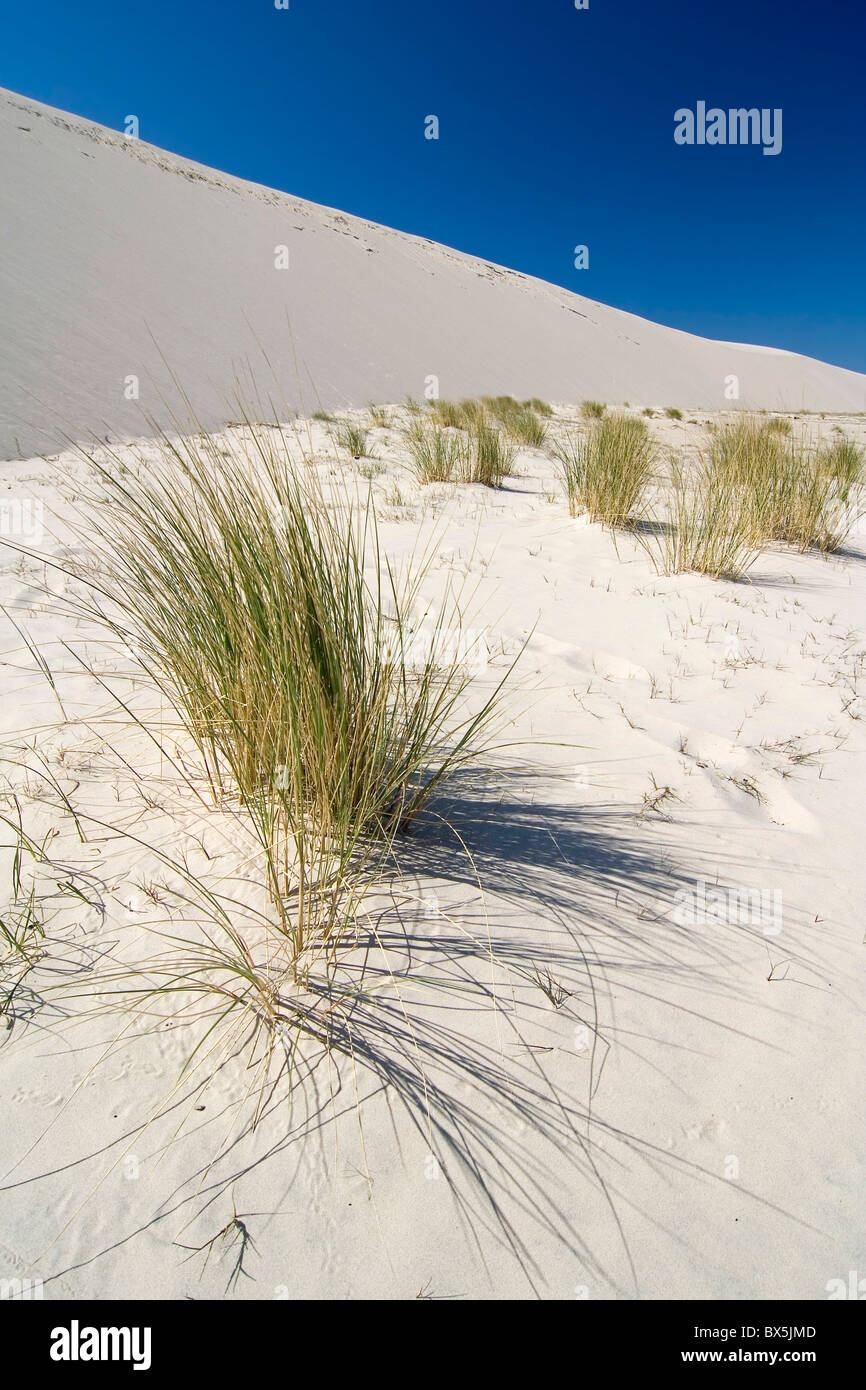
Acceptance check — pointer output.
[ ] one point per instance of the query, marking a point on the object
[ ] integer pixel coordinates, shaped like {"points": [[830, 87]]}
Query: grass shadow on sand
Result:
{"points": [[484, 1024]]}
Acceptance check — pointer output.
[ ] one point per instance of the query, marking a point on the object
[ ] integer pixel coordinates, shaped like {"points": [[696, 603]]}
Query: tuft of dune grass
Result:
{"points": [[352, 438], [471, 412], [539, 406], [437, 451], [464, 442], [380, 416], [502, 408], [283, 640], [708, 528], [525, 427], [22, 931], [796, 494], [843, 460], [489, 457], [606, 471], [448, 413]]}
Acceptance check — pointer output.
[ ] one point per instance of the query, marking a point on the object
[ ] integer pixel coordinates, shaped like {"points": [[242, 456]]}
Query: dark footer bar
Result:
{"points": [[84, 1339]]}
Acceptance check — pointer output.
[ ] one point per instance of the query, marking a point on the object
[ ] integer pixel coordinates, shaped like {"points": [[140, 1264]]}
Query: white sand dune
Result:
{"points": [[114, 250]]}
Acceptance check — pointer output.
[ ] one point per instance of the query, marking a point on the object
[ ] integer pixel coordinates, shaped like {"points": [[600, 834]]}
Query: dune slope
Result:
{"points": [[117, 254]]}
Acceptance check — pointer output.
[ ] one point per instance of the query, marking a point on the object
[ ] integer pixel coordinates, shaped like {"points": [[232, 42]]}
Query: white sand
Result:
{"points": [[114, 250], [706, 1141]]}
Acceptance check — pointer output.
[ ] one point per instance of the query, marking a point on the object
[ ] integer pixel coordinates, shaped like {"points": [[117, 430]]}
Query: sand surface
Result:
{"points": [[687, 1123]]}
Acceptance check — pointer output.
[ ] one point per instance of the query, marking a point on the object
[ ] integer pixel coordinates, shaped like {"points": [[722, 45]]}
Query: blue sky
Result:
{"points": [[556, 129]]}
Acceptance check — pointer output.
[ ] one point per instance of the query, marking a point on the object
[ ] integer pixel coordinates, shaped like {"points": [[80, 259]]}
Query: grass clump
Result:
{"points": [[380, 416], [809, 509], [448, 413], [488, 457], [22, 933], [795, 493], [485, 456], [267, 617], [502, 408], [673, 413], [709, 529], [543, 408], [525, 427], [842, 460], [520, 421], [352, 438], [607, 470], [436, 451], [742, 448], [471, 413], [592, 410]]}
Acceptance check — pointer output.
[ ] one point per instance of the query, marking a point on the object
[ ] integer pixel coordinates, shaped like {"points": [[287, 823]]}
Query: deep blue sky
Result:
{"points": [[556, 129]]}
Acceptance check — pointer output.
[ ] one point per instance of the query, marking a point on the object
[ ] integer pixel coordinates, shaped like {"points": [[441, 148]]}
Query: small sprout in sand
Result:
{"points": [[551, 988], [654, 799], [629, 721], [748, 786], [233, 1234], [371, 468]]}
